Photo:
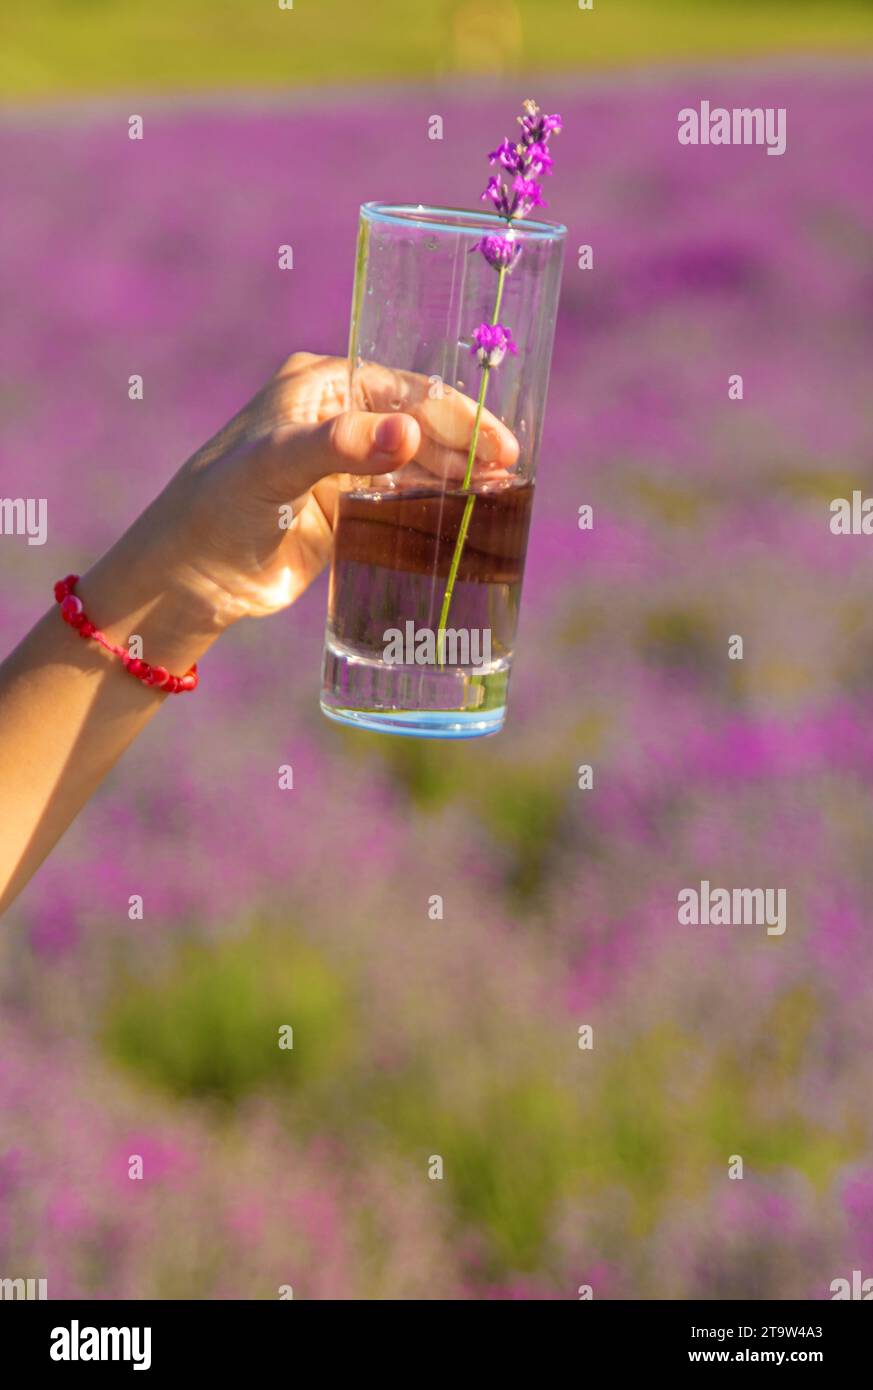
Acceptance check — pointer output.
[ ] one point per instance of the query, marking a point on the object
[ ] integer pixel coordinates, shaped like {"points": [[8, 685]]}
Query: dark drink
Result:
{"points": [[392, 556]]}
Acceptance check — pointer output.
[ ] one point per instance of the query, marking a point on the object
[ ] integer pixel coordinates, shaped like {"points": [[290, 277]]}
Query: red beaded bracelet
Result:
{"points": [[73, 612]]}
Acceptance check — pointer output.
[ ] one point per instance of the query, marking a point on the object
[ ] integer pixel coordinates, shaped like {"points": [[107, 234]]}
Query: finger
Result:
{"points": [[439, 461], [361, 442], [450, 420], [354, 442], [300, 361], [447, 418]]}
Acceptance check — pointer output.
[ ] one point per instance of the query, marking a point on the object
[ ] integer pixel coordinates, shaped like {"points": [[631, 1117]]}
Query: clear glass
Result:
{"points": [[428, 561]]}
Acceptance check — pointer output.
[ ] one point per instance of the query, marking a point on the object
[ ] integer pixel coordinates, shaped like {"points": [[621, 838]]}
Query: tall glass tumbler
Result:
{"points": [[428, 560]]}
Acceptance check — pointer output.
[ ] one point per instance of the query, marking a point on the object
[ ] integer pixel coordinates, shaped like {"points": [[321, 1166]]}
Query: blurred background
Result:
{"points": [[563, 1167]]}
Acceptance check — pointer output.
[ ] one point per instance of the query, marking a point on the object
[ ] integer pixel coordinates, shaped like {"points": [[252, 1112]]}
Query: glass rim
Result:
{"points": [[440, 219]]}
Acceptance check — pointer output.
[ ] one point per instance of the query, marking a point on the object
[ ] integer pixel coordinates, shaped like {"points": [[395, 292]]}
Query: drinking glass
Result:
{"points": [[428, 561]]}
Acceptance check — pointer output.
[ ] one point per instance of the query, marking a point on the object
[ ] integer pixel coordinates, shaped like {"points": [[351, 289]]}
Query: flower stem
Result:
{"points": [[468, 475], [501, 276]]}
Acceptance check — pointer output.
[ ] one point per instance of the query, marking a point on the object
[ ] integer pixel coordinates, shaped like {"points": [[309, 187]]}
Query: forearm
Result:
{"points": [[242, 529], [68, 709]]}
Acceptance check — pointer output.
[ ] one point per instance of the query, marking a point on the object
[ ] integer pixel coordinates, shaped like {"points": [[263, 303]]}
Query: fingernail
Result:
{"points": [[389, 434]]}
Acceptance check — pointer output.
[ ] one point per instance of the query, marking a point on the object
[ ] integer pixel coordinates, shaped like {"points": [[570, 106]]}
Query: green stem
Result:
{"points": [[468, 475], [501, 276]]}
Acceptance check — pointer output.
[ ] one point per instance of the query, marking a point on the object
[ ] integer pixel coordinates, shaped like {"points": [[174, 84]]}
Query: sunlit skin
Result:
{"points": [[240, 531], [230, 492]]}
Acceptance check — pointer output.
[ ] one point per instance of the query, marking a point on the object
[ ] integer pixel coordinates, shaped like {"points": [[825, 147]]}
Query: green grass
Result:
{"points": [[57, 47]]}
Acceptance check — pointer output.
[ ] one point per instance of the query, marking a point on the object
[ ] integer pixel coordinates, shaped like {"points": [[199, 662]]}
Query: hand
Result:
{"points": [[251, 514], [210, 549]]}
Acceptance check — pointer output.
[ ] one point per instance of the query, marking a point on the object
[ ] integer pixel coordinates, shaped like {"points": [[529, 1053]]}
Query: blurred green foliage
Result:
{"points": [[518, 1140], [680, 636], [210, 1028], [82, 46]]}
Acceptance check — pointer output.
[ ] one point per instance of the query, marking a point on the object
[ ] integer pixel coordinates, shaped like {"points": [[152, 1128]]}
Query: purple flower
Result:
{"points": [[508, 155], [535, 126], [491, 343], [539, 161], [497, 192], [527, 160], [499, 251], [528, 195]]}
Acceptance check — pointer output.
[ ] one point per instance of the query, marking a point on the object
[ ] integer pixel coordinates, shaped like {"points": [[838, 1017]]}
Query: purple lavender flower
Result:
{"points": [[496, 190], [508, 155], [491, 343], [528, 195], [499, 251], [537, 127], [539, 161], [527, 161]]}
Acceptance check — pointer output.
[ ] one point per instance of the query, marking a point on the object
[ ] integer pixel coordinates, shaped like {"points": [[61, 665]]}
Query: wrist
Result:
{"points": [[143, 588]]}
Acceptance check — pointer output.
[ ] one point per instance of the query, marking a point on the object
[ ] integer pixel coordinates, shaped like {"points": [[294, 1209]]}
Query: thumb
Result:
{"points": [[357, 441]]}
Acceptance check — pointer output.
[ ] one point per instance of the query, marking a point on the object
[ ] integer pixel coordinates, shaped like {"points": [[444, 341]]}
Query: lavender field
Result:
{"points": [[564, 1166]]}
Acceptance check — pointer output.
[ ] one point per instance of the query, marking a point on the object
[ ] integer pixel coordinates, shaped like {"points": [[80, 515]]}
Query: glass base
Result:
{"points": [[420, 723], [457, 702]]}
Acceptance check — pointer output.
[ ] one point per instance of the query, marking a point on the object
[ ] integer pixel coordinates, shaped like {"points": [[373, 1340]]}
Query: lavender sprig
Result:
{"points": [[499, 251], [491, 342], [526, 161]]}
